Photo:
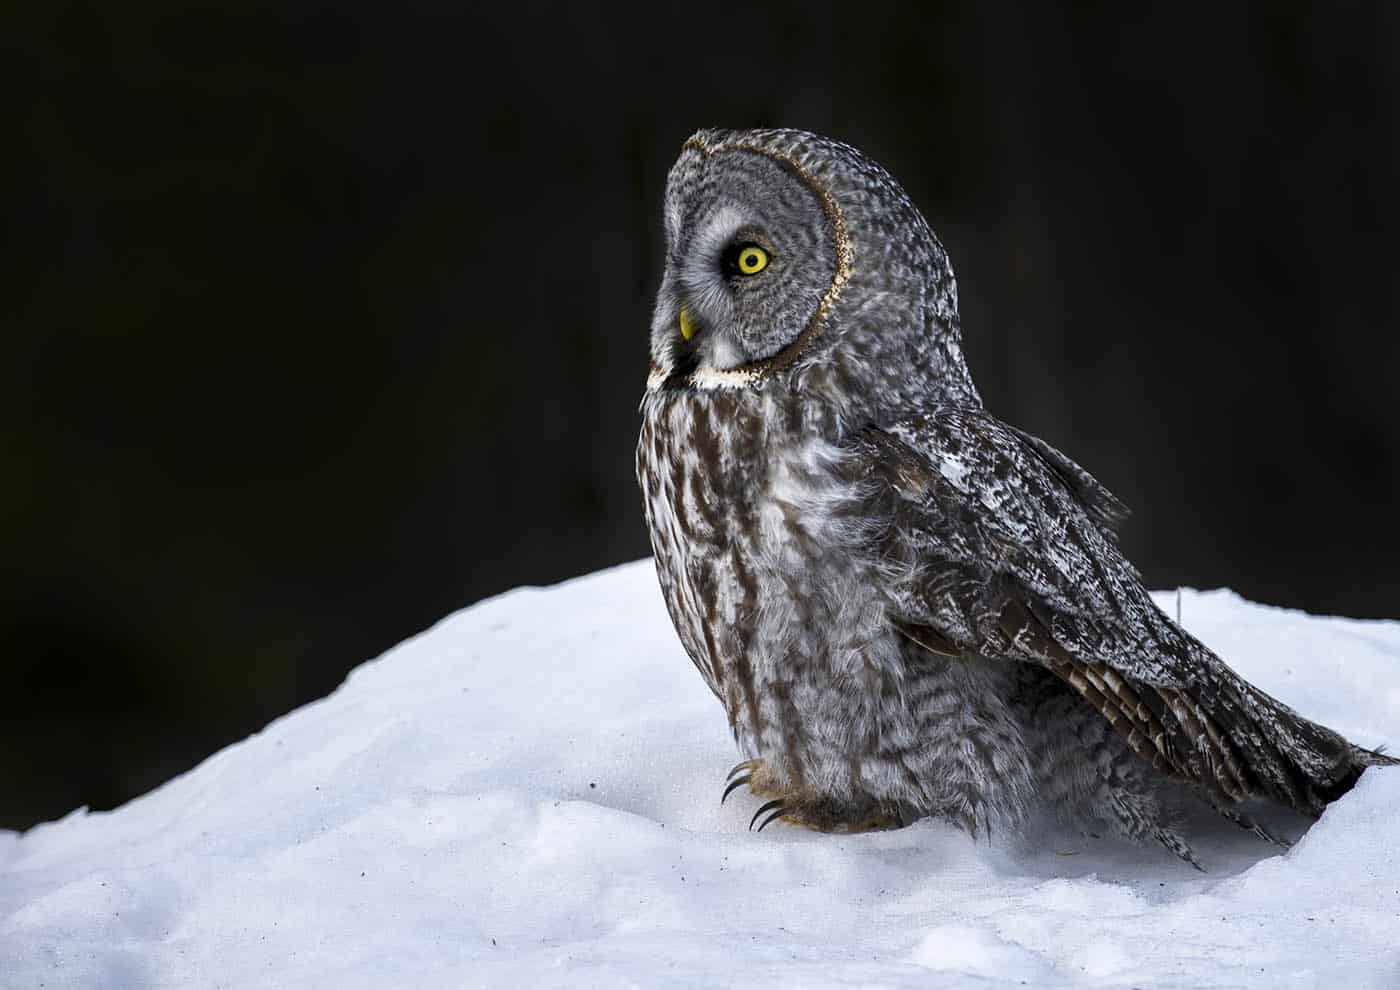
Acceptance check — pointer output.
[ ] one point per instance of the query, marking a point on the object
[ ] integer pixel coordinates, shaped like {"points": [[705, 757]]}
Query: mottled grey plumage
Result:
{"points": [[907, 607]]}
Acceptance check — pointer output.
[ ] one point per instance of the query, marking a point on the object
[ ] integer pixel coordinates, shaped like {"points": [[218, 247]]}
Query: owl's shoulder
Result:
{"points": [[969, 451]]}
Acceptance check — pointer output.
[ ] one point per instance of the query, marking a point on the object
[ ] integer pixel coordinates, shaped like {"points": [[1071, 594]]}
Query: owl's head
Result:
{"points": [[787, 251]]}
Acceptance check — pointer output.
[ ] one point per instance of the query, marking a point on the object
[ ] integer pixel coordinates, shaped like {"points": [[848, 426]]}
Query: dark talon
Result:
{"points": [[739, 782], [763, 811], [772, 818], [746, 765]]}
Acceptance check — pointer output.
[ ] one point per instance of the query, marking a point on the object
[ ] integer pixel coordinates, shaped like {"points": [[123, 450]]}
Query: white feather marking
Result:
{"points": [[953, 469], [711, 378]]}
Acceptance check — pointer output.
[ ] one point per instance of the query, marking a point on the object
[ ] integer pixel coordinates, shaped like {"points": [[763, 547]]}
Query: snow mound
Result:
{"points": [[527, 794]]}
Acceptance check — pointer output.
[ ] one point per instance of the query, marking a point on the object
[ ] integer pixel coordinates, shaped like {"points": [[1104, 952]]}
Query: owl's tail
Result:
{"points": [[1293, 760]]}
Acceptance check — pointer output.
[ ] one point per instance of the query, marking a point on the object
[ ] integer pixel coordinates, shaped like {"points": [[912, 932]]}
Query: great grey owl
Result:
{"points": [[906, 606]]}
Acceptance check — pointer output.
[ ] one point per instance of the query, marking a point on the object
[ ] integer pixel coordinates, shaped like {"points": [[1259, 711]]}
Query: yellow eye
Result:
{"points": [[752, 259]]}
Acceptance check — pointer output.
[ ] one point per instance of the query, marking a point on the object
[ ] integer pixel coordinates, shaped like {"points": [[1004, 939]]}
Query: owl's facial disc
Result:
{"points": [[749, 258]]}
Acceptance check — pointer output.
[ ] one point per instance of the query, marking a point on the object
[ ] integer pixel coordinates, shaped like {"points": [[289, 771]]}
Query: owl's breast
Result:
{"points": [[772, 602], [700, 469]]}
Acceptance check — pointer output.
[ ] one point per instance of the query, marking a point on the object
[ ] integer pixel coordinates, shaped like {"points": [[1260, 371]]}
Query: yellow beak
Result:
{"points": [[687, 324]]}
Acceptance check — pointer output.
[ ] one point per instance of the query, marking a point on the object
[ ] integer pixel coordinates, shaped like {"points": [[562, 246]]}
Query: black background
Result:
{"points": [[320, 323]]}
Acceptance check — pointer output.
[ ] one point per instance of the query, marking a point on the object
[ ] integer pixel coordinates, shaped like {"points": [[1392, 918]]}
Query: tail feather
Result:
{"points": [[1295, 761], [1377, 757]]}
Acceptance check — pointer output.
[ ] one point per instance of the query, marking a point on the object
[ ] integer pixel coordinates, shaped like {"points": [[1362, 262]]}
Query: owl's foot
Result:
{"points": [[756, 776], [821, 814], [827, 816]]}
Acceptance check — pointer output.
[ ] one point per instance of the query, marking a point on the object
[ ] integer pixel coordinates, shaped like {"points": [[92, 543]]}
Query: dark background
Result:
{"points": [[321, 324]]}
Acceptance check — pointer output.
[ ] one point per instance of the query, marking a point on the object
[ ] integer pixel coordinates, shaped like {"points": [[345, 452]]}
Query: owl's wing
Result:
{"points": [[997, 543]]}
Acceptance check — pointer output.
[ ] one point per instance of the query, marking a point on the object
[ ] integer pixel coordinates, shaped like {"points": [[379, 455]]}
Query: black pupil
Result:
{"points": [[745, 259]]}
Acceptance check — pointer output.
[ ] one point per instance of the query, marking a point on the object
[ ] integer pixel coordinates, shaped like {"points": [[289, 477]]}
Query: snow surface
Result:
{"points": [[527, 795]]}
